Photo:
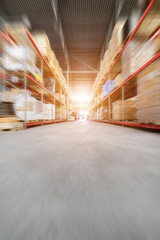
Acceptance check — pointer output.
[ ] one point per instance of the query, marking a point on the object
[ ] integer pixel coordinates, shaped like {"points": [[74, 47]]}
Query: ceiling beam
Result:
{"points": [[54, 4]]}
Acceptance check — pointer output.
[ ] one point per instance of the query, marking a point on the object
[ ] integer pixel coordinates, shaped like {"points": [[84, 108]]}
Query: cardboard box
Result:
{"points": [[148, 94], [129, 109]]}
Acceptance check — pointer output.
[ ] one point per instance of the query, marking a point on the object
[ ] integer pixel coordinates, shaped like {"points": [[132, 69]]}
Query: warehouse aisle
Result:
{"points": [[80, 181]]}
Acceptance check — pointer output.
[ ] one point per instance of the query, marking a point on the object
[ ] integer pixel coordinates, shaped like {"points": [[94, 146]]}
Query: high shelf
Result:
{"points": [[32, 83], [127, 91]]}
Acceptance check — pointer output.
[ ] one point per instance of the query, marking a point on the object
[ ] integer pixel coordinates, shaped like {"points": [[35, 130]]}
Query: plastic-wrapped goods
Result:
{"points": [[49, 83], [20, 107], [39, 110], [118, 80], [14, 58], [148, 94], [18, 97], [129, 109], [47, 111], [13, 94], [104, 91], [110, 85]]}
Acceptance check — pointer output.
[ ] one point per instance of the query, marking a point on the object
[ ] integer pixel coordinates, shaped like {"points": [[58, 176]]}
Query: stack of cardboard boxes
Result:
{"points": [[148, 94], [129, 109]]}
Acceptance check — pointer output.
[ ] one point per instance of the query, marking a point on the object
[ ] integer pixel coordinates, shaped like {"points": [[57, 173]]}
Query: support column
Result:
{"points": [[122, 103], [43, 79], [109, 102], [25, 79]]}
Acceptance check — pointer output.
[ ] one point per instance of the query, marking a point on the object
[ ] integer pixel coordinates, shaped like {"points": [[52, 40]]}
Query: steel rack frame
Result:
{"points": [[153, 59]]}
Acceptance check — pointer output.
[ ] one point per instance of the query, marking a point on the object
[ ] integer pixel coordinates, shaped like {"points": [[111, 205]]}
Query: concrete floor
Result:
{"points": [[80, 181]]}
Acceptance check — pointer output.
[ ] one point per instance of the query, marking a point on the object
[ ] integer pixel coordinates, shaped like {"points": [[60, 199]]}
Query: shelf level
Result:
{"points": [[149, 126], [131, 77], [36, 47], [28, 75], [43, 123], [131, 36]]}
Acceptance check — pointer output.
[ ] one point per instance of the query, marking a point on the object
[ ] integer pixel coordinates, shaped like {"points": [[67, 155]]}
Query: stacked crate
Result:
{"points": [[49, 84], [137, 53], [148, 94], [118, 80], [42, 41], [129, 109], [129, 65]]}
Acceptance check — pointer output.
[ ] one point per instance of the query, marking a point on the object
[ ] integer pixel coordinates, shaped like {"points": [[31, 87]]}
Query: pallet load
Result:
{"points": [[137, 53], [108, 87], [63, 110], [116, 42], [129, 109], [149, 49], [53, 63], [148, 94], [43, 44], [48, 112], [17, 31], [118, 80], [39, 110], [49, 84], [8, 118], [114, 47], [30, 107], [129, 65], [15, 57], [58, 113], [17, 96]]}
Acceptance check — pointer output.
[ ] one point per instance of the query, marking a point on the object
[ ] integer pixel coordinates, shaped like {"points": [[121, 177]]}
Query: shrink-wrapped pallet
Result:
{"points": [[15, 58], [30, 106], [39, 110]]}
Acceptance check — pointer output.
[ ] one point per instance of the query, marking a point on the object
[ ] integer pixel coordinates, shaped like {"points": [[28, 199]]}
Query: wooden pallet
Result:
{"points": [[10, 124], [155, 122]]}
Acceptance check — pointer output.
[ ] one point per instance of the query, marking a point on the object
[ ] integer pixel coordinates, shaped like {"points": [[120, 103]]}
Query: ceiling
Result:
{"points": [[79, 31]]}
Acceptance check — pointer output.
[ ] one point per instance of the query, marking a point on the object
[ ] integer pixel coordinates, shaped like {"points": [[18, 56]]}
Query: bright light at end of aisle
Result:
{"points": [[83, 115], [81, 98]]}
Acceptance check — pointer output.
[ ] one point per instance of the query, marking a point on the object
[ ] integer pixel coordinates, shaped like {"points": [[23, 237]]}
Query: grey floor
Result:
{"points": [[80, 180]]}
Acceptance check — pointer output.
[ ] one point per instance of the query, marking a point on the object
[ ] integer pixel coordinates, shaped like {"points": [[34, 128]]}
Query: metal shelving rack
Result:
{"points": [[128, 80], [36, 88]]}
